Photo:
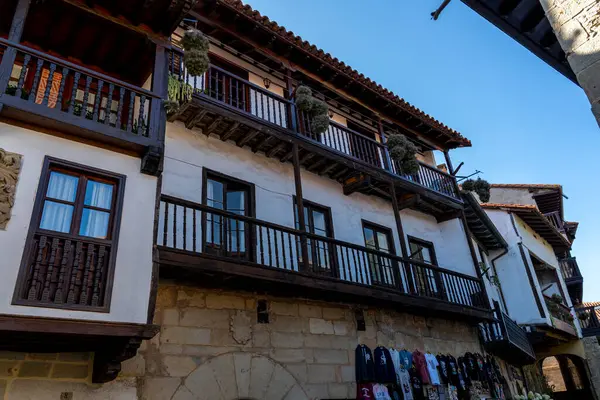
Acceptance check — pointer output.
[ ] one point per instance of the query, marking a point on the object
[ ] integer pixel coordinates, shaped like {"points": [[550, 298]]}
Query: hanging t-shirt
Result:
{"points": [[452, 393], [384, 367], [453, 370], [416, 385], [444, 373], [365, 371], [462, 366], [406, 359], [394, 391], [395, 356], [432, 393], [364, 391], [472, 369], [421, 366], [405, 383], [432, 368], [380, 392]]}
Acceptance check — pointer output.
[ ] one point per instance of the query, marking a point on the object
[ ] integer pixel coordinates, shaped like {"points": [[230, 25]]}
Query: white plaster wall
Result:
{"points": [[133, 270], [511, 196], [493, 291], [188, 152]]}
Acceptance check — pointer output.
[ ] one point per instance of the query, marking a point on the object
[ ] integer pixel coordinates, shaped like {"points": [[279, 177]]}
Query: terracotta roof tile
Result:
{"points": [[337, 64], [591, 303], [519, 206], [526, 185]]}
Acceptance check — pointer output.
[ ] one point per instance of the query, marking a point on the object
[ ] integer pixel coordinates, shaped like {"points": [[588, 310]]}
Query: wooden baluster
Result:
{"points": [[260, 241], [49, 84], [50, 271], [290, 247], [98, 277], [118, 123], [36, 80], [142, 118], [74, 273], [21, 82], [109, 99], [87, 273], [166, 224], [194, 230], [269, 246], [61, 88], [275, 242], [98, 101], [86, 96], [58, 295], [174, 226], [130, 115], [184, 227], [76, 79], [33, 290]]}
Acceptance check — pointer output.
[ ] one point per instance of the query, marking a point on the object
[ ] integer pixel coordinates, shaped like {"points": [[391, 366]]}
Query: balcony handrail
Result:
{"points": [[86, 71], [457, 291]]}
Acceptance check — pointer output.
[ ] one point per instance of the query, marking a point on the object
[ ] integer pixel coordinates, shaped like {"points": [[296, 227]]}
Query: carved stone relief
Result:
{"points": [[10, 165]]}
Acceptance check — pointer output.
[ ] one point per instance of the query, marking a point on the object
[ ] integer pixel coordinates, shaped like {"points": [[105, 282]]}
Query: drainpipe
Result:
{"points": [[493, 262]]}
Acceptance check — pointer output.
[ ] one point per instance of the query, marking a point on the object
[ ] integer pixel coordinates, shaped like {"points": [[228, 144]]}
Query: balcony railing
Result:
{"points": [[504, 335], [201, 230], [556, 220], [570, 269], [229, 89], [57, 89], [589, 319]]}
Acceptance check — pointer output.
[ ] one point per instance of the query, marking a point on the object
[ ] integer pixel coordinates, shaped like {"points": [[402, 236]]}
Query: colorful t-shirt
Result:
{"points": [[364, 391], [405, 383], [432, 368], [416, 385], [443, 368], [406, 359], [380, 392], [421, 366]]}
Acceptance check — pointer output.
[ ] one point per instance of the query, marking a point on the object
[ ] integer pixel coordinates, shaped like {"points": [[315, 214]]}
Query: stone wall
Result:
{"points": [[210, 343], [592, 355], [576, 24]]}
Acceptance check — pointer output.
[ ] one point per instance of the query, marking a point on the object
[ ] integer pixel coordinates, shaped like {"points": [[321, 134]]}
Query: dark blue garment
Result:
{"points": [[384, 367], [406, 359], [364, 364]]}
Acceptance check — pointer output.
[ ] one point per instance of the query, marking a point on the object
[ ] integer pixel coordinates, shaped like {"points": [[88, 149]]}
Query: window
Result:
{"points": [[317, 220], [425, 280], [69, 259], [379, 238], [226, 235]]}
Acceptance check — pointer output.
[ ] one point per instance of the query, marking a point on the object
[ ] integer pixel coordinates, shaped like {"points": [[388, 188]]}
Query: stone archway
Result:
{"points": [[240, 375]]}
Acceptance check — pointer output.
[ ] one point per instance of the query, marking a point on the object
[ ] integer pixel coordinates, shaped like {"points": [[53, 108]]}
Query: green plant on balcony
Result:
{"points": [[178, 92], [583, 316], [11, 90], [557, 298], [196, 47], [404, 152], [479, 186], [317, 109]]}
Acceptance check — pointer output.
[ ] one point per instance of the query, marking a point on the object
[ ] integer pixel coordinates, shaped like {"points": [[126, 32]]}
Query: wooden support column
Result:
{"points": [[292, 116], [451, 170], [385, 153], [14, 35], [160, 82], [403, 247], [300, 205], [474, 256]]}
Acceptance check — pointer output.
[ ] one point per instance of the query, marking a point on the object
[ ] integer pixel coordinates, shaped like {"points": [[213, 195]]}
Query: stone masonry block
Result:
{"points": [[589, 79], [34, 369], [261, 339], [166, 296], [281, 323], [321, 373], [319, 326], [135, 366], [178, 365], [319, 341], [159, 388], [284, 308], [203, 318], [326, 356], [70, 371], [170, 316], [11, 355], [289, 355], [223, 301], [340, 328], [287, 340], [8, 368], [183, 335], [190, 298], [337, 390], [333, 313], [310, 311]]}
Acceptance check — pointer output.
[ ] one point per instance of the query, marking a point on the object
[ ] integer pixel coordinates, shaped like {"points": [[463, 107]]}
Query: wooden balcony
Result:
{"points": [[60, 96], [222, 104], [589, 319], [195, 240], [556, 221], [505, 338], [573, 278], [561, 316]]}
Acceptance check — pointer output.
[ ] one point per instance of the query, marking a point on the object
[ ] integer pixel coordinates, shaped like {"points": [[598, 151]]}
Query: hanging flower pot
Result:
{"points": [[304, 99], [479, 186], [404, 152], [196, 47]]}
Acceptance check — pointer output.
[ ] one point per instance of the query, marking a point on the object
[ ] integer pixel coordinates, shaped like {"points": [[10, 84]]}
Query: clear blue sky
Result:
{"points": [[528, 123]]}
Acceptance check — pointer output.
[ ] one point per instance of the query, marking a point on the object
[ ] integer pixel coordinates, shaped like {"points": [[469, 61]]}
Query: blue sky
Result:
{"points": [[527, 122]]}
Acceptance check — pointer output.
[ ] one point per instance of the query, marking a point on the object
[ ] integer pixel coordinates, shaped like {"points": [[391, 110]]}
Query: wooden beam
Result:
{"points": [[306, 157], [230, 131], [195, 119], [287, 156], [409, 201], [317, 164], [258, 146], [356, 183], [300, 206], [396, 208], [213, 125], [275, 149], [248, 137], [447, 216]]}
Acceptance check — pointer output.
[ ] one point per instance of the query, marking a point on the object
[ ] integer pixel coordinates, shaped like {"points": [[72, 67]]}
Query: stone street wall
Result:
{"points": [[592, 355], [211, 346]]}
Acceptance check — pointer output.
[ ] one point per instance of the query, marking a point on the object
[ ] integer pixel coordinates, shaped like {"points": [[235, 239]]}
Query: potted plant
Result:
{"points": [[479, 186], [404, 152]]}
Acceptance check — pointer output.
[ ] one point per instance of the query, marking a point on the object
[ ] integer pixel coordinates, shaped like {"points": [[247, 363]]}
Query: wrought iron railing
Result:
{"points": [[198, 229], [589, 320], [556, 220], [242, 95], [506, 329], [569, 268]]}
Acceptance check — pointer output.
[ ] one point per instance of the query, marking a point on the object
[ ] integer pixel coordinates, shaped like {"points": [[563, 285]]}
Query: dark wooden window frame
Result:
{"points": [[250, 204], [434, 262], [52, 163], [330, 231], [392, 250]]}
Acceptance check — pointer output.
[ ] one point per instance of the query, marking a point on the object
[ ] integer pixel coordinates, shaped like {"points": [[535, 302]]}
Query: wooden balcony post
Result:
{"points": [[402, 240], [14, 35], [292, 106], [468, 236], [386, 155], [158, 114], [300, 205]]}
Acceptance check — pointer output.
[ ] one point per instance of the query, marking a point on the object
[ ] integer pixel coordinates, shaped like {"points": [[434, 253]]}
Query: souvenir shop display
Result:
{"points": [[393, 374]]}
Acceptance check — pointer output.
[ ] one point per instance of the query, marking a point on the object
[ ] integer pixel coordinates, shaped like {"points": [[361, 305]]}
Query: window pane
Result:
{"points": [[56, 217], [62, 187], [426, 254], [369, 238], [98, 194], [94, 223], [236, 202], [382, 241], [319, 223], [214, 194]]}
